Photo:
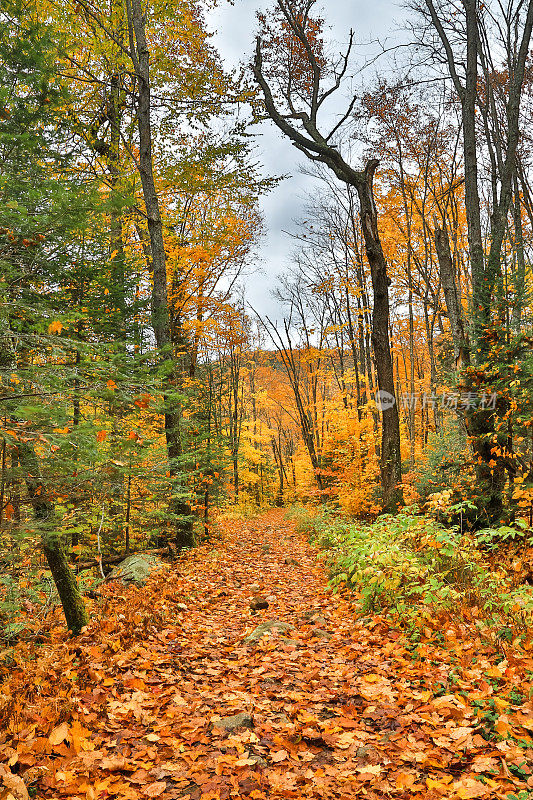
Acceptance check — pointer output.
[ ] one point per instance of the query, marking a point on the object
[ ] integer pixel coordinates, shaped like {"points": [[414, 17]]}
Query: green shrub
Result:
{"points": [[324, 527], [411, 566], [443, 459], [492, 538]]}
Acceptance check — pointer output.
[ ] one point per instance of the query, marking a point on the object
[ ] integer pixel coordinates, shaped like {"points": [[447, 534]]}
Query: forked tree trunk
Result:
{"points": [[301, 128], [159, 304]]}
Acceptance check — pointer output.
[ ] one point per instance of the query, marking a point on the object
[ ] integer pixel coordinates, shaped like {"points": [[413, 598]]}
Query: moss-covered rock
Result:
{"points": [[268, 627], [136, 569], [243, 720]]}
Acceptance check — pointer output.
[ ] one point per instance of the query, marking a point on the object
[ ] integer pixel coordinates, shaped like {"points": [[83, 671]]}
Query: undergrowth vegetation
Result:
{"points": [[419, 571]]}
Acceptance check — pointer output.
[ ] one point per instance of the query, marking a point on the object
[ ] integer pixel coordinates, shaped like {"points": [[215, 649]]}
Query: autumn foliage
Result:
{"points": [[334, 707], [374, 638]]}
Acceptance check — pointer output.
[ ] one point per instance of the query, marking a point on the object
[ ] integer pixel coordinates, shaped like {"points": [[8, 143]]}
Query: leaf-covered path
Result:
{"points": [[335, 707]]}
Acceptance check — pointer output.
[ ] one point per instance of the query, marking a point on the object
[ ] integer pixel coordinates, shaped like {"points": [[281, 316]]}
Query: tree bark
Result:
{"points": [[481, 423], [451, 296], [390, 457], [159, 303], [43, 509]]}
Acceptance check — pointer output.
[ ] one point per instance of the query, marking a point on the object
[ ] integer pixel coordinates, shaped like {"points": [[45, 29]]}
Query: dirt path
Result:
{"points": [[334, 708]]}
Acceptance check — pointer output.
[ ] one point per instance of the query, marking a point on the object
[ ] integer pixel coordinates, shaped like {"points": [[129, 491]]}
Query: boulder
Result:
{"points": [[136, 569], [314, 617], [259, 603], [243, 720], [267, 627], [321, 634]]}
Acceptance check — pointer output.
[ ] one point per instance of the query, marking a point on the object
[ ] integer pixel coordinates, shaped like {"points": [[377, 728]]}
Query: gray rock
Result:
{"points": [[243, 720], [267, 627], [136, 569]]}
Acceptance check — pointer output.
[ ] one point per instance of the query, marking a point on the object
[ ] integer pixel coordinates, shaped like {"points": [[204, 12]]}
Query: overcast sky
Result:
{"points": [[235, 27]]}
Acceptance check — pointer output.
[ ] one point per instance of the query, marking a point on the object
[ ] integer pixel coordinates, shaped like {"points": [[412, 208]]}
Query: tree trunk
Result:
{"points": [[390, 458], [43, 509], [519, 277], [159, 304], [307, 138], [451, 296], [481, 423]]}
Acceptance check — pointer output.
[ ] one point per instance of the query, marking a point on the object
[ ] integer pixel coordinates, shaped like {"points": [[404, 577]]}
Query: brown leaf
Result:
{"points": [[113, 764], [155, 789], [16, 786]]}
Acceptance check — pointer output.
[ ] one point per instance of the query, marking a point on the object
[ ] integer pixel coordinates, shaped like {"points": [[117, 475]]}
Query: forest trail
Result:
{"points": [[335, 707]]}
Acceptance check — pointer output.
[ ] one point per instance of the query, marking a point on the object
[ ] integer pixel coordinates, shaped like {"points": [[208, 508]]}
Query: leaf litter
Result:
{"points": [[162, 697]]}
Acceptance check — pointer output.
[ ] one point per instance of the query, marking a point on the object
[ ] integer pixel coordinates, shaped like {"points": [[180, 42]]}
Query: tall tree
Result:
{"points": [[469, 60], [291, 70], [34, 194], [140, 56]]}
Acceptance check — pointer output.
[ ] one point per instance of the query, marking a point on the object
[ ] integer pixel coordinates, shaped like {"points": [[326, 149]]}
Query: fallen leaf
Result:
{"points": [[59, 734], [155, 789]]}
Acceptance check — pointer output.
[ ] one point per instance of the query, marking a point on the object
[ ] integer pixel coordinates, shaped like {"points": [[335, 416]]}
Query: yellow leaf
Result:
{"points": [[372, 769], [502, 726], [245, 762], [55, 327], [500, 703], [494, 672], [59, 734], [404, 780], [371, 678], [155, 789]]}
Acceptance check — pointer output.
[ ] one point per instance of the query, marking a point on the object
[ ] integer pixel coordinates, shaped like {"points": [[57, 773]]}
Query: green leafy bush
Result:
{"points": [[411, 566], [324, 527], [443, 460], [492, 538]]}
